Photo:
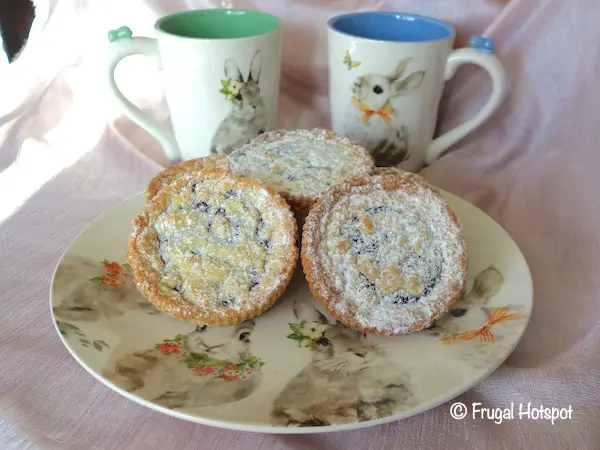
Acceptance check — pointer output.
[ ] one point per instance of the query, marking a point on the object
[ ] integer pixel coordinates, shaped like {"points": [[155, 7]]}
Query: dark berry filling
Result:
{"points": [[237, 228], [254, 279], [370, 285], [379, 209], [362, 244], [230, 301], [266, 243], [202, 206], [259, 226], [405, 298]]}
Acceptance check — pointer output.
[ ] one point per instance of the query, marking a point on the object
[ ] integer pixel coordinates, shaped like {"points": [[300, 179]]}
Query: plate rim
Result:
{"points": [[264, 429]]}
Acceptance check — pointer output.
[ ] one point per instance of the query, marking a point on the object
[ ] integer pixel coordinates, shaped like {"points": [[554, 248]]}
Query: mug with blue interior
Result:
{"points": [[387, 72]]}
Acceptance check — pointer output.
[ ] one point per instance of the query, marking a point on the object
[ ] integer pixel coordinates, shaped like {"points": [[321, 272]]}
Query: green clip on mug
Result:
{"points": [[221, 70]]}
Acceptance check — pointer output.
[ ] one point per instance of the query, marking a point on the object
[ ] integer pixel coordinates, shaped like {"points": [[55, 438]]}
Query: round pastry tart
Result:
{"points": [[384, 254], [213, 248], [301, 164], [165, 176]]}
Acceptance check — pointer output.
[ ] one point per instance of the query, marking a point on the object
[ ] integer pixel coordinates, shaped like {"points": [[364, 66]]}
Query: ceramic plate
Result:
{"points": [[281, 373]]}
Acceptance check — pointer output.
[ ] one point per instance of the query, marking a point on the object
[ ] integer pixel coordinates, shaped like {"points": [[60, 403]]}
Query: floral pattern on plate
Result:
{"points": [[293, 369], [202, 365]]}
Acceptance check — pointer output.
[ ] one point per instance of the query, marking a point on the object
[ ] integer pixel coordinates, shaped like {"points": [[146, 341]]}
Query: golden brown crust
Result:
{"points": [[404, 174], [167, 175], [327, 295], [145, 260]]}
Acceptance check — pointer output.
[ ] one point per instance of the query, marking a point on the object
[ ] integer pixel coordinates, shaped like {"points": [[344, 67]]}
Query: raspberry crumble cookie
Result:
{"points": [[213, 248], [301, 164], [167, 175], [384, 254]]}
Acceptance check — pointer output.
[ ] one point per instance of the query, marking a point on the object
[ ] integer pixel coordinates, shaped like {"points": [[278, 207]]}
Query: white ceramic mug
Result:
{"points": [[386, 76], [221, 70]]}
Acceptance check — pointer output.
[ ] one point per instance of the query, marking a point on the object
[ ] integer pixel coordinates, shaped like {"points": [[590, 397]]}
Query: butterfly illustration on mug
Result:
{"points": [[348, 61]]}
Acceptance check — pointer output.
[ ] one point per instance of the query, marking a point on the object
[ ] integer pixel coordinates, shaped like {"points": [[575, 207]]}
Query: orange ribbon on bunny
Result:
{"points": [[484, 333], [384, 112]]}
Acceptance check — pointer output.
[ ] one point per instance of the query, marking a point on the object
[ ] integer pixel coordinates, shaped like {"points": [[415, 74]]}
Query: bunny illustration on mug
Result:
{"points": [[371, 118], [349, 379], [248, 116], [403, 62], [191, 48]]}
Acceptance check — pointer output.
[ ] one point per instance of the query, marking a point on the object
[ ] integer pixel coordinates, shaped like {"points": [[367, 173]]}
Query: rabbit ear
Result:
{"points": [[304, 309], [487, 284], [248, 325], [399, 70], [232, 72], [487, 310], [517, 310], [514, 308], [255, 66], [409, 84]]}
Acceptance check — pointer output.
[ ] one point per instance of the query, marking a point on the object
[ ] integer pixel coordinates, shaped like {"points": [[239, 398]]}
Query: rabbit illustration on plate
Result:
{"points": [[248, 116], [348, 380], [208, 366], [88, 290], [372, 120], [476, 332]]}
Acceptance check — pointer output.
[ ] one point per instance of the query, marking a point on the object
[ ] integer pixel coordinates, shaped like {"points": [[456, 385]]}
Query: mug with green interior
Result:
{"points": [[221, 72]]}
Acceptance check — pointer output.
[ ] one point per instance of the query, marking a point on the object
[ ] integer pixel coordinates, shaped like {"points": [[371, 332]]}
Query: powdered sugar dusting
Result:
{"points": [[393, 257], [216, 244], [301, 162], [186, 168]]}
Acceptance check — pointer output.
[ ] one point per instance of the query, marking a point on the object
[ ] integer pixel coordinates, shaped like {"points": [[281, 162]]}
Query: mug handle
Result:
{"points": [[480, 55], [123, 45]]}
